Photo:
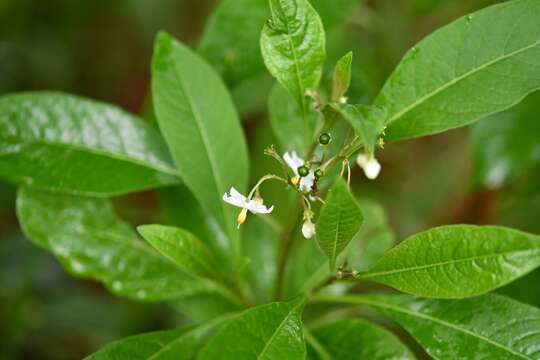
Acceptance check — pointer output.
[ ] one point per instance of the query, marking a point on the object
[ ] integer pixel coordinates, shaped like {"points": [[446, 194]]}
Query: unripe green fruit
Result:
{"points": [[303, 171], [325, 139], [319, 173]]}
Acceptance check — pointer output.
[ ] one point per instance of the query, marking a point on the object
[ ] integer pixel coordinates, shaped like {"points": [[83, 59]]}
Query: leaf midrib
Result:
{"points": [[191, 332], [444, 263], [274, 334], [204, 137], [456, 80], [296, 66], [336, 236], [452, 326], [370, 302]]}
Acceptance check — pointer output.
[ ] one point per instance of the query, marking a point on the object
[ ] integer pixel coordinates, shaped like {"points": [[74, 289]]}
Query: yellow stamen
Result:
{"points": [[295, 180], [241, 217]]}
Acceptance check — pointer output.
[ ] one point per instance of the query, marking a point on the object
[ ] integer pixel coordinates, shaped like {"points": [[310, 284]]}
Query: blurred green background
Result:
{"points": [[485, 174]]}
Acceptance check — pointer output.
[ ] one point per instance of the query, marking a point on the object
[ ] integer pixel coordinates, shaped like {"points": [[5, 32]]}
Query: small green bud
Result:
{"points": [[303, 171], [319, 173], [325, 139]]}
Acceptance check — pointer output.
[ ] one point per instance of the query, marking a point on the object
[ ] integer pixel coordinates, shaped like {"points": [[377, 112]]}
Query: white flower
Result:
{"points": [[308, 229], [255, 206], [294, 161], [370, 165]]}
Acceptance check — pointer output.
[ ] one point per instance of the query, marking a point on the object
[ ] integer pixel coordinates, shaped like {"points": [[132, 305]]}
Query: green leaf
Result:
{"points": [[341, 79], [367, 122], [293, 47], [359, 339], [206, 306], [66, 143], [374, 239], [286, 119], [180, 208], [195, 112], [457, 261], [309, 268], [261, 245], [159, 345], [506, 145], [181, 247], [168, 344], [490, 326], [272, 331], [230, 41], [91, 242], [478, 65], [339, 221]]}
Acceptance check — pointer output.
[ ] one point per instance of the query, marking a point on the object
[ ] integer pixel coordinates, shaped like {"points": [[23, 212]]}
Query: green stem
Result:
{"points": [[347, 299], [230, 295], [316, 345], [307, 135], [286, 237]]}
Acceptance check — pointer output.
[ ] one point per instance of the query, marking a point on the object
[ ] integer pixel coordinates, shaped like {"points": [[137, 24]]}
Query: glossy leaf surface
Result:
{"points": [[67, 143], [484, 327], [359, 339], [159, 345], [272, 331], [339, 221], [478, 65], [231, 37], [180, 246], [92, 242], [195, 112], [457, 261], [293, 47], [309, 267]]}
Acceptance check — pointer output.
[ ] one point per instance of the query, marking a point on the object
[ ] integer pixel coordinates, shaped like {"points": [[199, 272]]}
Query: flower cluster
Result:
{"points": [[303, 177]]}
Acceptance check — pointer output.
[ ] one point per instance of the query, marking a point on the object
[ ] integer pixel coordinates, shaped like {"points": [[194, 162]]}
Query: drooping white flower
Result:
{"points": [[370, 165], [294, 162], [308, 229], [255, 206]]}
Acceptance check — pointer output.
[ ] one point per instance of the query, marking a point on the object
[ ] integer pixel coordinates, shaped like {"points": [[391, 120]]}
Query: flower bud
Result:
{"points": [[370, 165], [308, 229]]}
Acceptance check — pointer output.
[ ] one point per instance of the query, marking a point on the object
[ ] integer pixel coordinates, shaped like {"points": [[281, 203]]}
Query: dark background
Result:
{"points": [[101, 49]]}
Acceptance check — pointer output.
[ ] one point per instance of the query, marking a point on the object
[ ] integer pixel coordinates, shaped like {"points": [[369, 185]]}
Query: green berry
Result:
{"points": [[325, 139], [319, 173], [303, 171]]}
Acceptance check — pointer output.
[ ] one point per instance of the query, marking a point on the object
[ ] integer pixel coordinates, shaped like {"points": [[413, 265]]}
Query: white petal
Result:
{"points": [[235, 198], [372, 169], [307, 182], [293, 161], [236, 194], [258, 208]]}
